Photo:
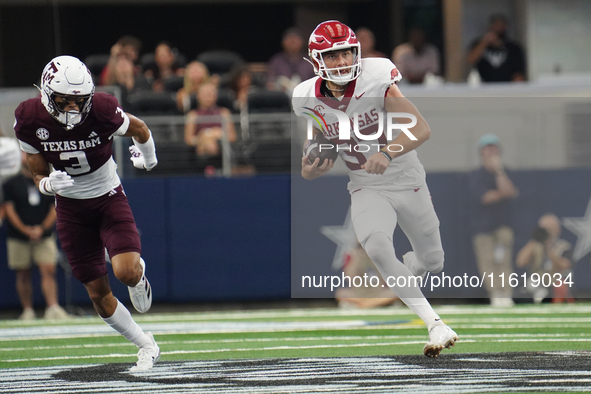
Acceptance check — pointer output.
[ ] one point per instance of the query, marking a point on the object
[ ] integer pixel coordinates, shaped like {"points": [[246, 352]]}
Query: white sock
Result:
{"points": [[122, 322], [380, 250], [431, 319]]}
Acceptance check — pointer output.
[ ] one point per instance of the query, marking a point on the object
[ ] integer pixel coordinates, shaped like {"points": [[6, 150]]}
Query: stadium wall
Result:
{"points": [[233, 239]]}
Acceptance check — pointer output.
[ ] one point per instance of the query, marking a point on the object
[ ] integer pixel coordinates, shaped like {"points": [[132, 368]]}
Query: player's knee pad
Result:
{"points": [[378, 247], [433, 261]]}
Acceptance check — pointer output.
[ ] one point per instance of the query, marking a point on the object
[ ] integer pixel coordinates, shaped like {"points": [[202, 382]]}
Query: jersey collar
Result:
{"points": [[332, 102]]}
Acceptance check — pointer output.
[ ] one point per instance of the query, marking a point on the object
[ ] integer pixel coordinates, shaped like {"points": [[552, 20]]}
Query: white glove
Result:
{"points": [[138, 159], [56, 181]]}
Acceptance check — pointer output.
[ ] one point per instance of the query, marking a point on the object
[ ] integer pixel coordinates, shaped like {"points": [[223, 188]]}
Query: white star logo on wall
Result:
{"points": [[343, 236], [581, 227]]}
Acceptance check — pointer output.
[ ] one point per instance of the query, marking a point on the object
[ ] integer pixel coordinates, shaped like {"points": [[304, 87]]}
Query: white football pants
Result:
{"points": [[375, 212]]}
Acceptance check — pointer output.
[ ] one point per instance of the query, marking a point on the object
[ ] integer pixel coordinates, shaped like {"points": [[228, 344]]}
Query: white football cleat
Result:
{"points": [[141, 294], [147, 356], [439, 337], [410, 260]]}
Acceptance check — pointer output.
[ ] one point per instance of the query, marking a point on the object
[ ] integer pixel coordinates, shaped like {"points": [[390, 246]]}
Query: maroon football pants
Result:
{"points": [[87, 226]]}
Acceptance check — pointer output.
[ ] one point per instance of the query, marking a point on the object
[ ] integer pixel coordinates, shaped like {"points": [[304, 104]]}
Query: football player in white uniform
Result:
{"points": [[387, 180], [10, 156]]}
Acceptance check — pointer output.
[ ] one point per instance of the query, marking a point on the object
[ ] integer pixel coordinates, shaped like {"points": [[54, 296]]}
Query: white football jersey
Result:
{"points": [[364, 97]]}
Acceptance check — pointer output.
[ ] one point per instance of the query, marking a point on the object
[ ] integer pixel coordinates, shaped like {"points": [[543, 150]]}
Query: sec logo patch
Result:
{"points": [[42, 134]]}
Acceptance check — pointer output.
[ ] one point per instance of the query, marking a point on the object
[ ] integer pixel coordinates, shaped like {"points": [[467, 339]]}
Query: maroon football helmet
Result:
{"points": [[333, 36]]}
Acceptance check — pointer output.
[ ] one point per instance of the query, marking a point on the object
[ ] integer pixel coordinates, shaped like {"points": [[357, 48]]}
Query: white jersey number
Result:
{"points": [[80, 167]]}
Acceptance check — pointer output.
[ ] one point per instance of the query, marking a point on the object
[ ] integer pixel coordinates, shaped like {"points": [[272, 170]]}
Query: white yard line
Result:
{"points": [[397, 312], [171, 328], [497, 337]]}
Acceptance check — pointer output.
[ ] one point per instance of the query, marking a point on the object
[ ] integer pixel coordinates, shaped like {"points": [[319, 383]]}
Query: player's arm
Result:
{"points": [[48, 183], [38, 166], [137, 129], [396, 102], [143, 152], [313, 171]]}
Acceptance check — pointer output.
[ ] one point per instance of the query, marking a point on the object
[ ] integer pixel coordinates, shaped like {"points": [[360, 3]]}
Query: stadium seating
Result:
{"points": [[174, 158], [268, 146], [174, 83], [95, 63], [263, 101], [154, 103], [219, 62]]}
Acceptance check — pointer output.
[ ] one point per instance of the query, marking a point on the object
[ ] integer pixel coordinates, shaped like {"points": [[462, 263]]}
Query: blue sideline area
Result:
{"points": [[203, 240], [324, 202], [233, 239]]}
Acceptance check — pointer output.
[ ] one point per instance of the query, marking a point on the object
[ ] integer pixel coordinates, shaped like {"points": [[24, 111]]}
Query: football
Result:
{"points": [[320, 147]]}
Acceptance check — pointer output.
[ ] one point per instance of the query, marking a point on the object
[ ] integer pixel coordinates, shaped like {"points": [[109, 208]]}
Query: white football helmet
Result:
{"points": [[69, 80]]}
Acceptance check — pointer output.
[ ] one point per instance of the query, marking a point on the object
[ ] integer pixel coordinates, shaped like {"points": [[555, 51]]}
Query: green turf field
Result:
{"points": [[297, 333]]}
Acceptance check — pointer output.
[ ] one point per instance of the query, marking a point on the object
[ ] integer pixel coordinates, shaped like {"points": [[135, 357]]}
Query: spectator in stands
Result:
{"points": [[30, 238], [128, 80], [196, 74], [128, 47], [491, 191], [166, 64], [416, 58], [204, 125], [288, 68], [497, 58], [358, 263], [367, 40], [240, 83], [546, 253]]}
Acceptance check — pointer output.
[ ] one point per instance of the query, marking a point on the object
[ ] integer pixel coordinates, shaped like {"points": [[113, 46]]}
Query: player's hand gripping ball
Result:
{"points": [[320, 147]]}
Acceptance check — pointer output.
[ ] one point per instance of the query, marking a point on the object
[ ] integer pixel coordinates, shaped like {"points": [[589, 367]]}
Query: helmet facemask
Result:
{"points": [[337, 75], [58, 104]]}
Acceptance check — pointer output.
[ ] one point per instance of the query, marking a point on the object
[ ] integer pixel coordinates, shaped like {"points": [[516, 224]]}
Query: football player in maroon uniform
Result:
{"points": [[387, 184], [71, 128]]}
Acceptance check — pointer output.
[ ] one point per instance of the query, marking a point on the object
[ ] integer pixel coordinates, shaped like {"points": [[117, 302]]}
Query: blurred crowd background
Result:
{"points": [[154, 56]]}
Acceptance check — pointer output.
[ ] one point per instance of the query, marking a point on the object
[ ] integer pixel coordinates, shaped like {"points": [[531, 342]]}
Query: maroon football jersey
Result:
{"points": [[79, 151]]}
